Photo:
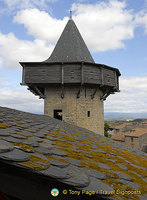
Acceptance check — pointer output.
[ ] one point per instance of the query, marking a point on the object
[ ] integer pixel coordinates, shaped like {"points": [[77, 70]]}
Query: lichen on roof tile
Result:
{"points": [[70, 154]]}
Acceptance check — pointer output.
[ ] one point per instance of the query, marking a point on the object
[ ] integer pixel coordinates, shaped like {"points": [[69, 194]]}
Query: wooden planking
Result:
{"points": [[69, 73], [72, 73], [109, 77], [92, 74], [43, 74]]}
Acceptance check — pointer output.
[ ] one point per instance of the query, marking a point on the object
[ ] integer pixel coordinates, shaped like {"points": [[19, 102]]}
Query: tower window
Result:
{"points": [[88, 113], [58, 114]]}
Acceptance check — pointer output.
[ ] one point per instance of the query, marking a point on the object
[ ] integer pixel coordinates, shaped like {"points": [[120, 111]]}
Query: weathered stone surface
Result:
{"points": [[11, 139], [44, 150], [4, 132], [129, 183], [15, 155], [32, 143], [138, 167], [74, 162], [91, 147], [47, 142], [124, 176], [35, 139], [95, 174], [95, 184], [58, 152], [99, 151], [18, 136], [56, 172], [104, 166], [40, 134], [46, 145], [77, 178], [5, 146], [58, 163], [122, 166]]}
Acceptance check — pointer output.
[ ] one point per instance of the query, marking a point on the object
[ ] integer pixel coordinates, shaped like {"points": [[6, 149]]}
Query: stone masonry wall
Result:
{"points": [[75, 109]]}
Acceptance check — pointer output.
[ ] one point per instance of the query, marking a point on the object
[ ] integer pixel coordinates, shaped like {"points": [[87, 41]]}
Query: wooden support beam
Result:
{"points": [[85, 92], [82, 75], [39, 92], [62, 92], [106, 94], [78, 94], [102, 76], [92, 96], [62, 74]]}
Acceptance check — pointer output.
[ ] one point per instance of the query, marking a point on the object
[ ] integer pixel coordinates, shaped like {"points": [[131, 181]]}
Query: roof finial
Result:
{"points": [[70, 14]]}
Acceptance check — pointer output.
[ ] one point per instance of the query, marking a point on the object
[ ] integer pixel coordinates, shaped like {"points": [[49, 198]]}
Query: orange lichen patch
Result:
{"points": [[36, 163], [69, 138], [4, 126], [52, 131], [137, 170], [54, 134], [18, 121], [120, 189], [24, 146], [76, 134], [59, 159], [60, 129], [139, 181], [25, 134]]}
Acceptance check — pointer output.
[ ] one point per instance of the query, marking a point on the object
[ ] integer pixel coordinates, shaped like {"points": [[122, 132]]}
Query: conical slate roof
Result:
{"points": [[70, 46]]}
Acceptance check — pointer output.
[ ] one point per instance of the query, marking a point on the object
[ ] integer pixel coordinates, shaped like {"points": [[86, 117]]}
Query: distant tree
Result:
{"points": [[106, 128]]}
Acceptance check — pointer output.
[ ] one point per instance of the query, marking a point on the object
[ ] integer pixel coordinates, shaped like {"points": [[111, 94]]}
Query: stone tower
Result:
{"points": [[72, 85]]}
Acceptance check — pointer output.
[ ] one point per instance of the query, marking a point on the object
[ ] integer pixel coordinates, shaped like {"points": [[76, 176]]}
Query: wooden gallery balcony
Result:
{"points": [[38, 75]]}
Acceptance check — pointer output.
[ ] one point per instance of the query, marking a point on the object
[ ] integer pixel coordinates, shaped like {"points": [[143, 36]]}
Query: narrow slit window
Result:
{"points": [[88, 113]]}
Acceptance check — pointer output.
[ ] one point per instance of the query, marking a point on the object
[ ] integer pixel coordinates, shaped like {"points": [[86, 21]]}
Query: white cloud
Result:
{"points": [[12, 5], [21, 100], [40, 24], [133, 83], [101, 29], [1, 62], [132, 97], [141, 19], [15, 50]]}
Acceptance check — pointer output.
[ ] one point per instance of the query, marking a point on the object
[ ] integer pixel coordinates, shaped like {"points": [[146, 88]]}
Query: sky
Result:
{"points": [[115, 32]]}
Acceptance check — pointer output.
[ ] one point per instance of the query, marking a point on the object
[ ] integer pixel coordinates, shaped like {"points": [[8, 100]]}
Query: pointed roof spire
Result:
{"points": [[70, 14], [70, 46]]}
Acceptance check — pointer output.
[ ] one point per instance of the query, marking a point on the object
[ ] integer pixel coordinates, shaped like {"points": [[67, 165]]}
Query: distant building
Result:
{"points": [[72, 85], [136, 139]]}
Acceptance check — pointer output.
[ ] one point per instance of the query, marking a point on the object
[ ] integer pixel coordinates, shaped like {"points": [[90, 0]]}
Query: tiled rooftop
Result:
{"points": [[120, 136], [137, 132], [57, 152]]}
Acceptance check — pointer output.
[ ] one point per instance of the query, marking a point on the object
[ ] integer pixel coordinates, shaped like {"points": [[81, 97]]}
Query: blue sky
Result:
{"points": [[115, 32]]}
